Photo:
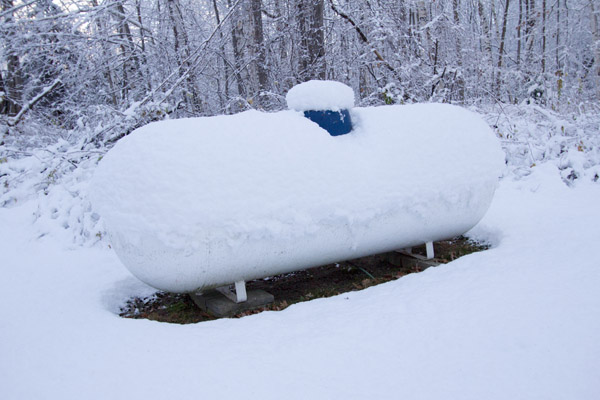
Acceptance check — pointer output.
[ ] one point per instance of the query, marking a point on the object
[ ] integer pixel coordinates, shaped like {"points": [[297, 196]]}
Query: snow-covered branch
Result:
{"points": [[14, 120]]}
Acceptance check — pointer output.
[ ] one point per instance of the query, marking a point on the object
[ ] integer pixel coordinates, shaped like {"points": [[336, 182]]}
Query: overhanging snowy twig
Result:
{"points": [[193, 59], [363, 37], [194, 56], [16, 8], [14, 120]]}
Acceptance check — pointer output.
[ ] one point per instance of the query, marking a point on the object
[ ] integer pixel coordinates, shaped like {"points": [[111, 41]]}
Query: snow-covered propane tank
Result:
{"points": [[193, 204]]}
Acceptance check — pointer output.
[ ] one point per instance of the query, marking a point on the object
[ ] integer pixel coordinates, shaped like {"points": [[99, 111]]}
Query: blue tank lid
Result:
{"points": [[326, 103], [335, 122]]}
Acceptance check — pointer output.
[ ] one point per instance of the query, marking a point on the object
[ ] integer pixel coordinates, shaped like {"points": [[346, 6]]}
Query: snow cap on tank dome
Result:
{"points": [[320, 95]]}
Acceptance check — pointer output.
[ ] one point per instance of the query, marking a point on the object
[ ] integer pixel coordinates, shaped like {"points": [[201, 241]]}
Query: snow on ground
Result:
{"points": [[519, 321]]}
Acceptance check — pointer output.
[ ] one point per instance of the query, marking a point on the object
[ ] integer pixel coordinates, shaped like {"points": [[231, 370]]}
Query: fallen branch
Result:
{"points": [[14, 120]]}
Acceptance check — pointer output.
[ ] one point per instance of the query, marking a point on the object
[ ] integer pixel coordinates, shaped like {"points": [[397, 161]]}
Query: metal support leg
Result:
{"points": [[240, 294], [429, 250]]}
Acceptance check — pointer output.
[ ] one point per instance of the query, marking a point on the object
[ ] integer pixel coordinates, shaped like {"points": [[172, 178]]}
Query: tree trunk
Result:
{"points": [[226, 68], [13, 81], [260, 51], [529, 29], [108, 71], [459, 81], [487, 39], [236, 34], [558, 35], [144, 61], [311, 51], [483, 78], [182, 52], [596, 35], [501, 51], [519, 32], [543, 36], [128, 50]]}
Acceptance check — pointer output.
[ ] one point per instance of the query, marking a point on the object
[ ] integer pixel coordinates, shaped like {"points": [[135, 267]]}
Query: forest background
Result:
{"points": [[94, 70]]}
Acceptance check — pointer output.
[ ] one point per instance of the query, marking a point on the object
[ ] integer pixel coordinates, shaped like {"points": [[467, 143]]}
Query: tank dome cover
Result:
{"points": [[337, 123], [320, 96]]}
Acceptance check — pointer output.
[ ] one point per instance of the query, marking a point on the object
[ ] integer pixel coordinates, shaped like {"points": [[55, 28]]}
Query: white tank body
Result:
{"points": [[198, 203]]}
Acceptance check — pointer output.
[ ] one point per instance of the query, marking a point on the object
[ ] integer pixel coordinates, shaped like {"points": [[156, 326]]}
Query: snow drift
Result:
{"points": [[193, 204]]}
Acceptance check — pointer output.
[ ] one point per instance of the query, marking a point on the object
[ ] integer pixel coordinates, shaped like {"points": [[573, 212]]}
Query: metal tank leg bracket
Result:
{"points": [[224, 302], [429, 250], [239, 296], [406, 258]]}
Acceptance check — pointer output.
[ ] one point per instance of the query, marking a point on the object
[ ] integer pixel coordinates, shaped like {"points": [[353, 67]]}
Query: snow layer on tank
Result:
{"points": [[184, 198], [320, 95]]}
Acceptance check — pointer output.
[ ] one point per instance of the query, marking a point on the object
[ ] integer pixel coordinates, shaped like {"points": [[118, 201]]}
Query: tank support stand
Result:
{"points": [[224, 302], [429, 254], [429, 250], [240, 292], [406, 258]]}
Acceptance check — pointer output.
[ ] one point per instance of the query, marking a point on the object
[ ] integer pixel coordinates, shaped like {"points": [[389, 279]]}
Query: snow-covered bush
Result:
{"points": [[532, 135]]}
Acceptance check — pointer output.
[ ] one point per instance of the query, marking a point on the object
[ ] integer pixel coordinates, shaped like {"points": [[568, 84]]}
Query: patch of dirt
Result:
{"points": [[325, 281]]}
